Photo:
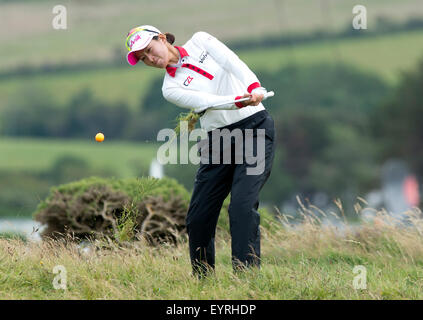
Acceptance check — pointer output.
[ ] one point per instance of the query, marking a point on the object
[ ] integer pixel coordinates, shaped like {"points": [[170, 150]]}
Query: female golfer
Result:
{"points": [[202, 73]]}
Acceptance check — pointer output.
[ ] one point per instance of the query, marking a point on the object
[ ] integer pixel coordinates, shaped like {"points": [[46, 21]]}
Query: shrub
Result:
{"points": [[120, 209]]}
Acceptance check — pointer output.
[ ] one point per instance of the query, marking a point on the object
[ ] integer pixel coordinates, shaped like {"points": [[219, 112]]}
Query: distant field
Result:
{"points": [[36, 154], [386, 56], [96, 29], [108, 84]]}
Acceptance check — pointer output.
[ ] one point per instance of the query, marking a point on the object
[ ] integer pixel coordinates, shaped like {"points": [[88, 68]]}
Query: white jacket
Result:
{"points": [[209, 73]]}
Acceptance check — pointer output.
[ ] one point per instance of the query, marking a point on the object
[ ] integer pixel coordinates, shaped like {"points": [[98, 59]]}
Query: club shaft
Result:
{"points": [[266, 95]]}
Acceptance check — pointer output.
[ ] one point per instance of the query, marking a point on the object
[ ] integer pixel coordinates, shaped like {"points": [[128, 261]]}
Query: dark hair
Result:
{"points": [[169, 37]]}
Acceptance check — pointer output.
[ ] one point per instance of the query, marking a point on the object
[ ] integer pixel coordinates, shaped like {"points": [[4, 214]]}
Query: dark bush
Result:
{"points": [[396, 124], [121, 209]]}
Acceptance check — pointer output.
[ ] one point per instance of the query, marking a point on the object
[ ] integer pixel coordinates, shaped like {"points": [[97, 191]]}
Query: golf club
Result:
{"points": [[223, 106]]}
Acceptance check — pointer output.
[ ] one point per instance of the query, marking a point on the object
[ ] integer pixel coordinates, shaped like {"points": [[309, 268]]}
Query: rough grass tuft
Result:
{"points": [[307, 260]]}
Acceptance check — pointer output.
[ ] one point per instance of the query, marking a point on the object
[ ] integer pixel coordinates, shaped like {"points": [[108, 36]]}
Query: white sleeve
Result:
{"points": [[227, 59], [196, 100]]}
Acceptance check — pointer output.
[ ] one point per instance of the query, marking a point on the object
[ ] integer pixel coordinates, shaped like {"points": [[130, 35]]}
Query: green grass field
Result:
{"points": [[97, 28], [305, 262], [386, 56], [37, 154]]}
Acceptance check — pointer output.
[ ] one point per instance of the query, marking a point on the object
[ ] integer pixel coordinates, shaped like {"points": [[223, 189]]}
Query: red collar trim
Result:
{"points": [[183, 53]]}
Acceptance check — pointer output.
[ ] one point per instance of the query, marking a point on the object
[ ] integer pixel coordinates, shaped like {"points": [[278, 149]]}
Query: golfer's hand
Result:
{"points": [[255, 99]]}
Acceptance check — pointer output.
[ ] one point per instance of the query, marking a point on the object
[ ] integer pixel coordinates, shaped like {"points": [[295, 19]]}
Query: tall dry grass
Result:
{"points": [[308, 260]]}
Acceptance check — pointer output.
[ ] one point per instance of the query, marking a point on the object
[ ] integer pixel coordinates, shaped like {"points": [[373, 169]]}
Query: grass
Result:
{"points": [[385, 56], [112, 84], [99, 32], [13, 235], [124, 158], [303, 261]]}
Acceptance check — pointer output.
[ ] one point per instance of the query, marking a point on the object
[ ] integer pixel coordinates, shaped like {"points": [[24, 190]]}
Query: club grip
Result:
{"points": [[268, 95]]}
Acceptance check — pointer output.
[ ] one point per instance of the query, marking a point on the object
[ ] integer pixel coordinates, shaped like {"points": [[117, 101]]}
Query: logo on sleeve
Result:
{"points": [[203, 56], [188, 81]]}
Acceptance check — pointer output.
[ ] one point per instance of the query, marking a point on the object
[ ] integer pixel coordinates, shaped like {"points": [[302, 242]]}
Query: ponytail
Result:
{"points": [[169, 37]]}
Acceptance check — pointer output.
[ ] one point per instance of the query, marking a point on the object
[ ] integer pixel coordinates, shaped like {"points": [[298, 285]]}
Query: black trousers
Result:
{"points": [[212, 185]]}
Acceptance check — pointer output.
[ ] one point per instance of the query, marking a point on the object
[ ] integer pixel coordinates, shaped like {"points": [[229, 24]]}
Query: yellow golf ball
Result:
{"points": [[99, 137]]}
